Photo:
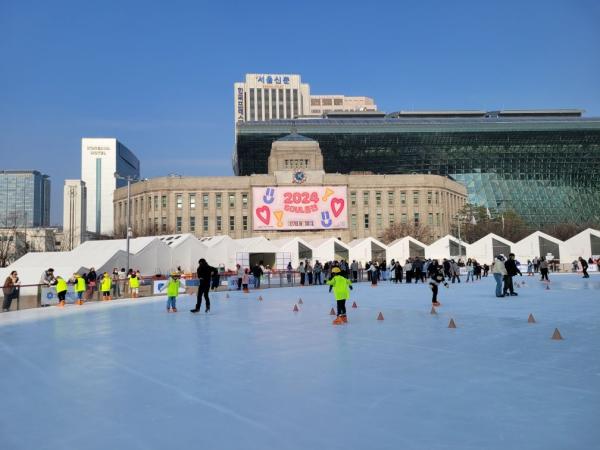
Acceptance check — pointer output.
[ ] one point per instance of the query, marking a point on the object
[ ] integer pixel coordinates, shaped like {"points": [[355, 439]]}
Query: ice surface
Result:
{"points": [[255, 375]]}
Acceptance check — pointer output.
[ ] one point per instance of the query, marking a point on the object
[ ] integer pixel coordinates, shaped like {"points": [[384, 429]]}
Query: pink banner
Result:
{"points": [[300, 208]]}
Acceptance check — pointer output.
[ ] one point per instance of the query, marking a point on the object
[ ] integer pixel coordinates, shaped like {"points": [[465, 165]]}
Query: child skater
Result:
{"points": [[172, 291], [437, 277], [105, 286], [61, 291], [341, 293], [245, 280], [80, 288]]}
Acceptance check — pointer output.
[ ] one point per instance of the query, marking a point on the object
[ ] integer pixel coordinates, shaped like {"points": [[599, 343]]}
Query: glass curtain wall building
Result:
{"points": [[544, 165], [24, 199]]}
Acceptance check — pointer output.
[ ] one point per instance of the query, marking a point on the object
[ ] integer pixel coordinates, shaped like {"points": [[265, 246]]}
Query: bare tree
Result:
{"points": [[399, 230]]}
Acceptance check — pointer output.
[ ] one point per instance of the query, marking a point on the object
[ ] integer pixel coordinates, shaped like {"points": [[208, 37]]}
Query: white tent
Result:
{"points": [[329, 249], [221, 250], [367, 249], [259, 250], [584, 244], [537, 244], [485, 249], [186, 250], [297, 248], [447, 247], [404, 248]]}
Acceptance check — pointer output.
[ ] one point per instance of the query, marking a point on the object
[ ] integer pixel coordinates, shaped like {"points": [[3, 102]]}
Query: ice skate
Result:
{"points": [[338, 321], [174, 309], [195, 310], [344, 319], [61, 304], [436, 303]]}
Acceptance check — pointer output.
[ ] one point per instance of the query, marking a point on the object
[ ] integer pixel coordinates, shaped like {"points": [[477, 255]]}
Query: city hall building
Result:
{"points": [[294, 196], [543, 164]]}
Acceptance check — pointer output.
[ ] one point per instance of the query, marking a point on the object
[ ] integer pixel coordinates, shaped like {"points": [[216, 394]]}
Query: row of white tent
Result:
{"points": [[162, 254]]}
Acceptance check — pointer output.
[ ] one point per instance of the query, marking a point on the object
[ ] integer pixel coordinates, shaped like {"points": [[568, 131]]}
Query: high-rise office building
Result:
{"points": [[101, 158], [74, 213], [283, 96], [24, 199]]}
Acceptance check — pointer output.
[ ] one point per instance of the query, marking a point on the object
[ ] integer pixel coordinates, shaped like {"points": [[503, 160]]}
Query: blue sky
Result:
{"points": [[159, 75]]}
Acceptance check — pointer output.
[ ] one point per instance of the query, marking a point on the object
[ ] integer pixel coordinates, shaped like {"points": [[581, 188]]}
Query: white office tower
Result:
{"points": [[101, 158], [271, 96], [74, 213]]}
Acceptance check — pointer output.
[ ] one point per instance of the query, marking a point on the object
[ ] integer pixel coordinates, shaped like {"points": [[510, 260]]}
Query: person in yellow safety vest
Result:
{"points": [[61, 291], [80, 288], [172, 291], [341, 291], [105, 286], [134, 285]]}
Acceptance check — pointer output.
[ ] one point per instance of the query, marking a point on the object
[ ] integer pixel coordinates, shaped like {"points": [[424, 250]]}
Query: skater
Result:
{"points": [[317, 269], [116, 291], [529, 268], [245, 281], [354, 270], [455, 271], [486, 270], [10, 289], [374, 271], [544, 269], [80, 287], [511, 271], [341, 292], [499, 272], [204, 273], [584, 267], [437, 277], [398, 272], [470, 271], [105, 286], [172, 292], [134, 285], [302, 273], [61, 291], [258, 272], [240, 275]]}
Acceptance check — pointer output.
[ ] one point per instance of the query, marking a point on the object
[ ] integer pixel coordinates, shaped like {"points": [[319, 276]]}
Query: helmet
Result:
{"points": [[335, 270]]}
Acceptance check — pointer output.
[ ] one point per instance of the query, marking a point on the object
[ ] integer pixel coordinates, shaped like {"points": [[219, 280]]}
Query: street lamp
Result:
{"points": [[129, 179]]}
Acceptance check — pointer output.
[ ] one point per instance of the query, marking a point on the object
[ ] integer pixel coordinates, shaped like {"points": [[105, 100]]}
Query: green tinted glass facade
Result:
{"points": [[546, 169]]}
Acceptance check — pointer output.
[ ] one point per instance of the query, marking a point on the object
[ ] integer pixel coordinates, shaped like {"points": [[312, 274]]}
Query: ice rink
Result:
{"points": [[255, 375]]}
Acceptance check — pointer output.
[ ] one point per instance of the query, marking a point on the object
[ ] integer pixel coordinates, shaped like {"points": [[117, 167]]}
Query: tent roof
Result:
{"points": [[175, 240]]}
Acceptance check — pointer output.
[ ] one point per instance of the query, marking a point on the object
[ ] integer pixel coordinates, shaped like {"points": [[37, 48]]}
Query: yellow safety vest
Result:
{"points": [[106, 284], [134, 282], [61, 285], [80, 284]]}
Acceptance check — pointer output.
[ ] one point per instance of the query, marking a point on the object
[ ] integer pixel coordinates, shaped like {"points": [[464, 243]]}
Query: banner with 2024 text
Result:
{"points": [[300, 208]]}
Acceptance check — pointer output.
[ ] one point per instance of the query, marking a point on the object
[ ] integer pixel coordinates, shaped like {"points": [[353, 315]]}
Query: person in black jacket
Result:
{"points": [[511, 271], [205, 273], [257, 272]]}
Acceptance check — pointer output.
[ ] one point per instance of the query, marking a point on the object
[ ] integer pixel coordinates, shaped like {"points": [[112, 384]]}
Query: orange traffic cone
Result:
{"points": [[332, 312], [354, 305], [556, 335], [531, 319], [296, 308], [451, 324], [300, 302], [380, 316]]}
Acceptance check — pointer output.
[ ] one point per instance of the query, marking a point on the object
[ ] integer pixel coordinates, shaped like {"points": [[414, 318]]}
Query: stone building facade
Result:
{"points": [[208, 206]]}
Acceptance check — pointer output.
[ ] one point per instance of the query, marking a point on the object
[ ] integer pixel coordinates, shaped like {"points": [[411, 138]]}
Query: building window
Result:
{"points": [[378, 198], [179, 201], [366, 221], [244, 200], [437, 219], [391, 198], [163, 224], [404, 218], [416, 197], [149, 203], [218, 223], [403, 198], [366, 198], [338, 102], [231, 200], [205, 200], [353, 221], [141, 205], [205, 224], [192, 224], [327, 102], [192, 201], [437, 198], [429, 197], [163, 201], [231, 223], [245, 223], [353, 198], [416, 219], [315, 102], [430, 219], [378, 220], [391, 218], [218, 200], [178, 221], [156, 225], [156, 202]]}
